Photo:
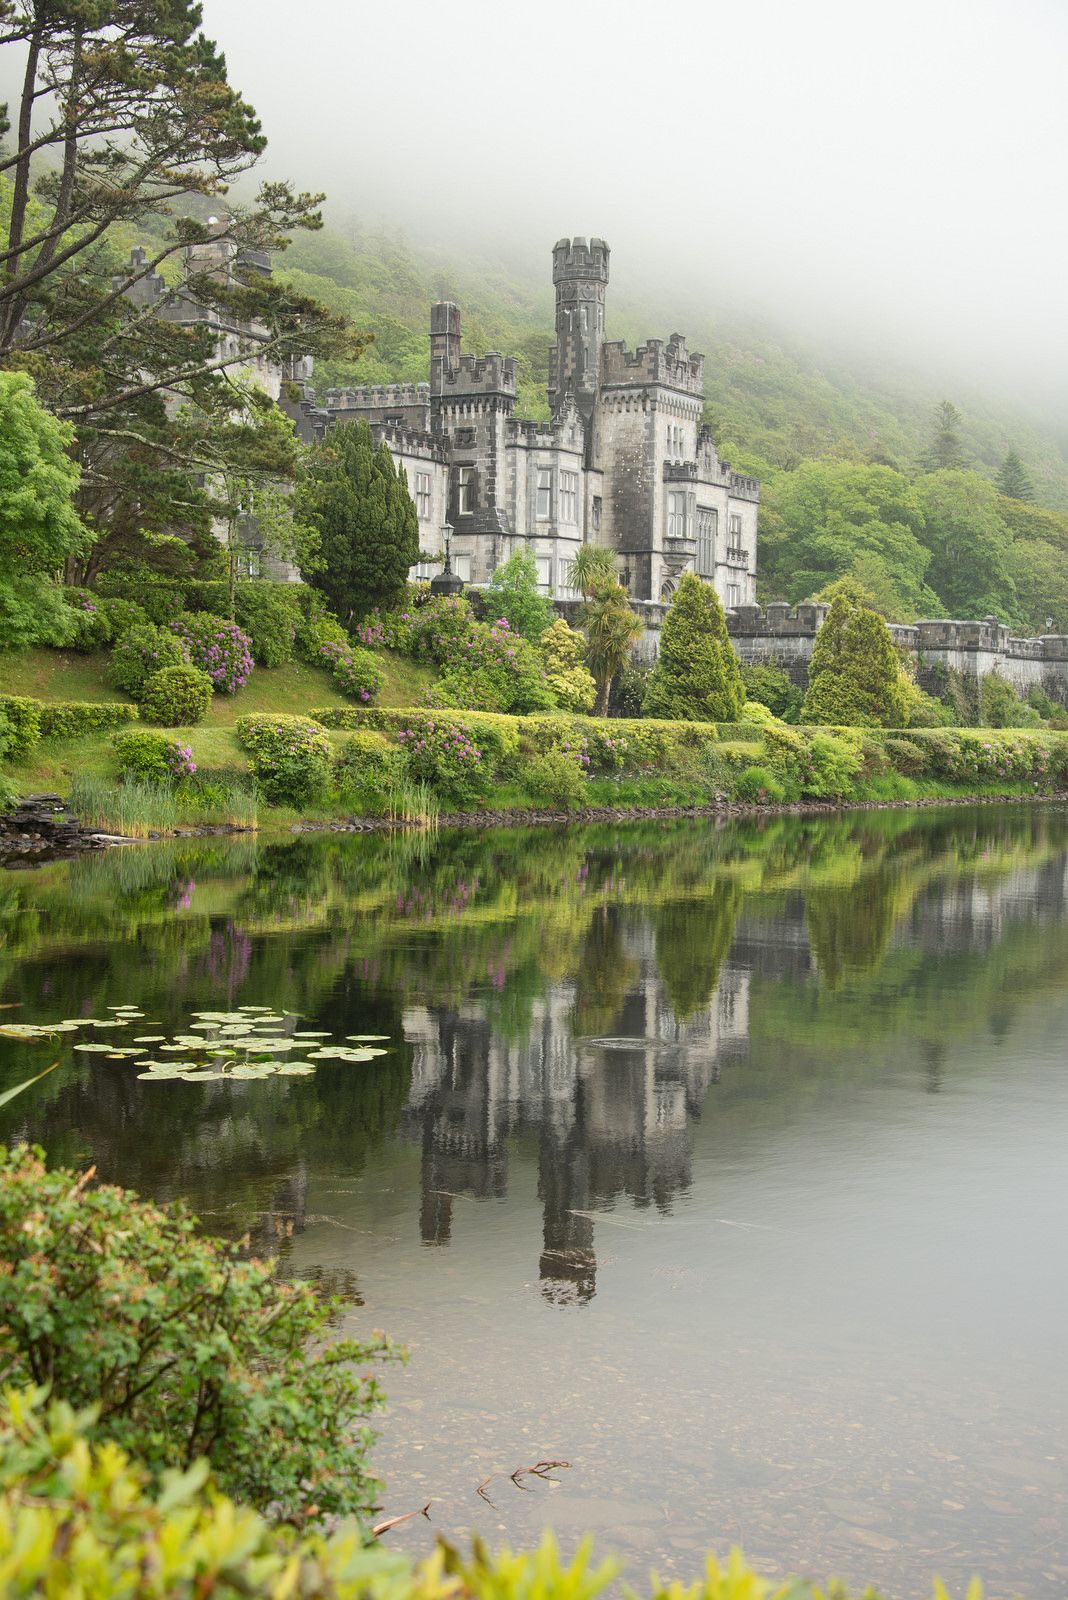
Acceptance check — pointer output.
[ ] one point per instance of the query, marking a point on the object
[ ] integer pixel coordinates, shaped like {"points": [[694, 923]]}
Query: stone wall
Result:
{"points": [[783, 636]]}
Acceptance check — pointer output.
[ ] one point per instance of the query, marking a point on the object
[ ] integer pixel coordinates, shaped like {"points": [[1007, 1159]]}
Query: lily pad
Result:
{"points": [[312, 1034], [295, 1069], [160, 1075], [149, 1038], [367, 1036], [105, 1049]]}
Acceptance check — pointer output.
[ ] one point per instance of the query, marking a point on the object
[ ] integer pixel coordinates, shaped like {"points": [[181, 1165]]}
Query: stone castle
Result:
{"points": [[625, 461]]}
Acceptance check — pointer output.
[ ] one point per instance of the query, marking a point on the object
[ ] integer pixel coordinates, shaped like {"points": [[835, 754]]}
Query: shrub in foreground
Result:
{"points": [[368, 768], [569, 679], [289, 757], [183, 1349], [854, 679], [443, 754], [558, 778], [356, 672], [176, 697], [140, 652], [23, 718], [218, 647], [696, 677], [152, 757]]}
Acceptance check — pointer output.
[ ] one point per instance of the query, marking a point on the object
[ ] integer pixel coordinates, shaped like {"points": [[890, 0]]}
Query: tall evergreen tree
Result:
{"points": [[1012, 480], [945, 453], [696, 677], [359, 505], [854, 678]]}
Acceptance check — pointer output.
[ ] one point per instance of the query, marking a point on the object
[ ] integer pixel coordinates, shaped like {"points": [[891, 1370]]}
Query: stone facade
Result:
{"points": [[624, 461], [780, 635]]}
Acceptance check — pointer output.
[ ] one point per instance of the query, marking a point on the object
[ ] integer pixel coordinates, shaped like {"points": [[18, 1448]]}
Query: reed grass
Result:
{"points": [[415, 804], [132, 809]]}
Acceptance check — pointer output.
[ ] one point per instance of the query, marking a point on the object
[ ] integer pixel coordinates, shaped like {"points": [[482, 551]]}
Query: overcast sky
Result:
{"points": [[896, 169]]}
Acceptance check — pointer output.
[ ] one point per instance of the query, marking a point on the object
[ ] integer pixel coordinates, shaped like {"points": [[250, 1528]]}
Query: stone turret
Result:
{"points": [[580, 274]]}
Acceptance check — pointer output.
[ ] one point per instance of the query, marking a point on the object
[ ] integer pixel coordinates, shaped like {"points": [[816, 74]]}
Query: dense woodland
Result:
{"points": [[842, 449]]}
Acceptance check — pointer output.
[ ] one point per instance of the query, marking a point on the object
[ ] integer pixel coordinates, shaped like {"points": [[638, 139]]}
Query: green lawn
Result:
{"points": [[68, 675]]}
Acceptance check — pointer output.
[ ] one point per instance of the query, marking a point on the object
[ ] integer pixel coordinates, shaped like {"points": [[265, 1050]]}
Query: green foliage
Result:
{"points": [[835, 519], [176, 697], [760, 786], [78, 1517], [556, 778], [1012, 479], [693, 938], [612, 629], [186, 1350], [696, 677], [368, 768], [360, 507], [496, 736], [97, 620], [152, 757], [23, 719], [135, 809], [854, 674], [142, 651], [593, 568], [289, 757], [944, 452], [217, 646], [513, 593], [69, 719], [771, 687], [356, 672], [963, 530], [270, 614], [444, 754], [317, 626], [569, 680], [1001, 707], [39, 527]]}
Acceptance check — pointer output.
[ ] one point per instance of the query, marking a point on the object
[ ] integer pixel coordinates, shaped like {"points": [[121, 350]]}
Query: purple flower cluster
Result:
{"points": [[218, 647], [444, 755], [356, 672], [180, 761]]}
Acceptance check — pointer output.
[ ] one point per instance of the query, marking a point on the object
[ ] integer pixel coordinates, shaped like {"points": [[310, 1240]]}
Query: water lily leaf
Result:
{"points": [[340, 1053], [149, 1038], [311, 1034], [295, 1069], [254, 1008], [103, 1048], [160, 1075], [109, 1022], [368, 1036], [230, 1053], [182, 1044]]}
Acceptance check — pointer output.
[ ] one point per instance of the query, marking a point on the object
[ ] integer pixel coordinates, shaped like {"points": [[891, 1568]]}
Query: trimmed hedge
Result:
{"points": [[59, 719], [23, 717], [289, 757], [176, 697]]}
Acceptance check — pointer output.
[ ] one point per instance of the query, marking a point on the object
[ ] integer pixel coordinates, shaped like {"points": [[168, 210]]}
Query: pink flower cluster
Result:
{"points": [[218, 647], [180, 761]]}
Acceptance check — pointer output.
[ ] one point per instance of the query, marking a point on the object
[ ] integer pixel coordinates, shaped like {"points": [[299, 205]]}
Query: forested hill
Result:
{"points": [[774, 401]]}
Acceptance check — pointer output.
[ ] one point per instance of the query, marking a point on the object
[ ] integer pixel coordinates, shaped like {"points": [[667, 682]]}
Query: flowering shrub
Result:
{"points": [[558, 778], [317, 626], [986, 760], [153, 758], [355, 671], [570, 681], [289, 757], [609, 751], [368, 767], [492, 668], [444, 755], [218, 647], [176, 697], [139, 653]]}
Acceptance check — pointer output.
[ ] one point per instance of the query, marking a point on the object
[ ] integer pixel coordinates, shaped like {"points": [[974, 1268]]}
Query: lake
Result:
{"points": [[727, 1162]]}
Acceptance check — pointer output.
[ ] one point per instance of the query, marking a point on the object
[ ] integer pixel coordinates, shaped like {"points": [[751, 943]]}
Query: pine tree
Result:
{"points": [[945, 453], [360, 507], [696, 677], [1012, 480], [854, 679]]}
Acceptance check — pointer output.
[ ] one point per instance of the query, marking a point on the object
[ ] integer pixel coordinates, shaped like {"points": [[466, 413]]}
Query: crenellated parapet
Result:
{"points": [[668, 364], [377, 396], [491, 375], [778, 619], [411, 442]]}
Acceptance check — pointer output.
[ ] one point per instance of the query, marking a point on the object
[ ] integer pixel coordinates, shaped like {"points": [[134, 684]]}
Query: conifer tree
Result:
{"points": [[359, 505], [1012, 480], [945, 453], [854, 678], [696, 677]]}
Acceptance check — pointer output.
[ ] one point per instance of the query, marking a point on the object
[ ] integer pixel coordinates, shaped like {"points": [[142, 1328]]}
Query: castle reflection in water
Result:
{"points": [[611, 1113]]}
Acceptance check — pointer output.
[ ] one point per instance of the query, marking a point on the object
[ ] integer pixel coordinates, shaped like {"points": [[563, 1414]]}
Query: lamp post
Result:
{"points": [[446, 581]]}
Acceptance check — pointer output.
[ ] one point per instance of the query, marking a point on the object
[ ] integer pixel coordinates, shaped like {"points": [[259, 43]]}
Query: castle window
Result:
{"points": [[247, 563], [545, 572], [465, 491], [595, 513], [735, 527], [461, 565], [545, 493], [676, 522], [734, 595], [569, 497], [422, 496], [707, 528]]}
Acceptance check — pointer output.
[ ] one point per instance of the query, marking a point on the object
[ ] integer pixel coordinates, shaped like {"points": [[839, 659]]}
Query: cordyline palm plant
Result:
{"points": [[612, 629], [593, 568]]}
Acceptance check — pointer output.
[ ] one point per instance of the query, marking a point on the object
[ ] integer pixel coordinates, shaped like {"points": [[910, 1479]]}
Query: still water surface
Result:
{"points": [[726, 1163]]}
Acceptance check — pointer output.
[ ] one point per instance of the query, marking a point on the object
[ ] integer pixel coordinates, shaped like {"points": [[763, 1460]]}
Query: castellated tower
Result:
{"points": [[580, 273]]}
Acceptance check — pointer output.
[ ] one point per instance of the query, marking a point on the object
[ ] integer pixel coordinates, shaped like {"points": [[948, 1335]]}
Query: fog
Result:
{"points": [[888, 173]]}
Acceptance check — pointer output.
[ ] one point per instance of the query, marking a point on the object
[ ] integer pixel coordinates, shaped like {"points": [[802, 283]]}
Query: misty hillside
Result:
{"points": [[774, 400]]}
